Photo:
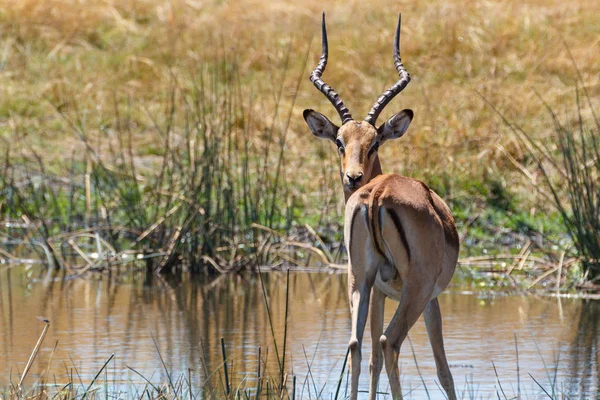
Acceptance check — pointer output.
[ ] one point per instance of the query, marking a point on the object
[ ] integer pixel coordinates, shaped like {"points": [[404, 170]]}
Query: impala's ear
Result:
{"points": [[320, 125], [395, 127]]}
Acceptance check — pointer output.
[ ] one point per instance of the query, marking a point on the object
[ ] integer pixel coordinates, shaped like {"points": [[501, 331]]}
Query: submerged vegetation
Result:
{"points": [[169, 133]]}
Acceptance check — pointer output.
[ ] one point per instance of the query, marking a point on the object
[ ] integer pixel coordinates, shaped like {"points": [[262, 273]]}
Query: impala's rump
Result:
{"points": [[404, 228]]}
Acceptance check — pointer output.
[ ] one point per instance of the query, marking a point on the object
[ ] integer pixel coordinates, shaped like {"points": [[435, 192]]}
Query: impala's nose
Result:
{"points": [[354, 177]]}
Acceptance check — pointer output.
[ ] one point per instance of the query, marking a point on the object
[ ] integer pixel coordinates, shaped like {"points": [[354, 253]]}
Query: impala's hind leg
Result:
{"points": [[376, 316], [390, 355], [412, 303], [433, 322], [417, 287]]}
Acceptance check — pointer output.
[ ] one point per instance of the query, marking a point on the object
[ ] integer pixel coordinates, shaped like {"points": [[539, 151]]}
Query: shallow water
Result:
{"points": [[186, 318]]}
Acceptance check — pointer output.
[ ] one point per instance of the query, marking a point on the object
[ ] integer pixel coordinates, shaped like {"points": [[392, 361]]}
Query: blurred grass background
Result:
{"points": [[76, 74]]}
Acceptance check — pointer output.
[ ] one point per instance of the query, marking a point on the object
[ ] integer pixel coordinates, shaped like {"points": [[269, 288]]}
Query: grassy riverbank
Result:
{"points": [[170, 133]]}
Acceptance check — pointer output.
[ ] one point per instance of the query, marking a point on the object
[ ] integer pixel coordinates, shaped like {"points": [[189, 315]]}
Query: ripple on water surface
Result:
{"points": [[92, 319]]}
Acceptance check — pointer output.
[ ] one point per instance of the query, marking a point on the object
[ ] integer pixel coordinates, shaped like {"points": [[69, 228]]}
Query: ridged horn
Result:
{"points": [[315, 78], [389, 94]]}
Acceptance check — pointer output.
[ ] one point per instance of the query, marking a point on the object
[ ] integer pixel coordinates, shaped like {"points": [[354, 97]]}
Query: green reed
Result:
{"points": [[578, 161], [569, 163], [206, 198]]}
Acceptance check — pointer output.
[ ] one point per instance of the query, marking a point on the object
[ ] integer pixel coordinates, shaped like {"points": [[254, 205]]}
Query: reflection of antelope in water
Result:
{"points": [[401, 238]]}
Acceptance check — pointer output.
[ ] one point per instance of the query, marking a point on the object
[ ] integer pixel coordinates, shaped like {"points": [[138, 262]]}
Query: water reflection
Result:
{"points": [[182, 319], [585, 352]]}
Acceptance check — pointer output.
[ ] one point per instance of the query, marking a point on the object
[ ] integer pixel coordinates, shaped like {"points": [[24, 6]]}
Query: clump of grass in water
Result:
{"points": [[571, 173], [579, 158], [210, 192]]}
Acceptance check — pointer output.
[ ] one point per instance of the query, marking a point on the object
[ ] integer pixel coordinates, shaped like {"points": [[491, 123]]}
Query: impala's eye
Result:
{"points": [[373, 149], [340, 145]]}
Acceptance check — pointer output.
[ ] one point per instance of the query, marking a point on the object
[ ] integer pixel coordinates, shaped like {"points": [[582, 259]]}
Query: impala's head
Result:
{"points": [[358, 142]]}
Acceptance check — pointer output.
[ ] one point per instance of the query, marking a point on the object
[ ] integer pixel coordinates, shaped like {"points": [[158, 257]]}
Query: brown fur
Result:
{"points": [[402, 243]]}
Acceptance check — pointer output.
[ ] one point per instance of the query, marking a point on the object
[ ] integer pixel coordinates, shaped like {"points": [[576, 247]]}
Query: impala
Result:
{"points": [[400, 235]]}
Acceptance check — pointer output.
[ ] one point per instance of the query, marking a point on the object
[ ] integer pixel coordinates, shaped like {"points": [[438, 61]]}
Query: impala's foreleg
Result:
{"points": [[433, 322], [362, 269], [376, 310], [359, 300]]}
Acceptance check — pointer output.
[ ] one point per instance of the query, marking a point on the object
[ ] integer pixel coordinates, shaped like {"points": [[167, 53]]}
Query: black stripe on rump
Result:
{"points": [[400, 230], [371, 224]]}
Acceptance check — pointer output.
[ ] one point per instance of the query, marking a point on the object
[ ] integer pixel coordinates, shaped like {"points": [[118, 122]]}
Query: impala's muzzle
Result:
{"points": [[353, 180]]}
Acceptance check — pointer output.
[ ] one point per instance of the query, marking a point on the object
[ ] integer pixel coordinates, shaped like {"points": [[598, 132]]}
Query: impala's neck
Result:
{"points": [[376, 170], [376, 167]]}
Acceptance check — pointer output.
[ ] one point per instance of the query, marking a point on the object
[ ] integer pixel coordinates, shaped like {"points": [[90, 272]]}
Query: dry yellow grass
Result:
{"points": [[80, 54]]}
